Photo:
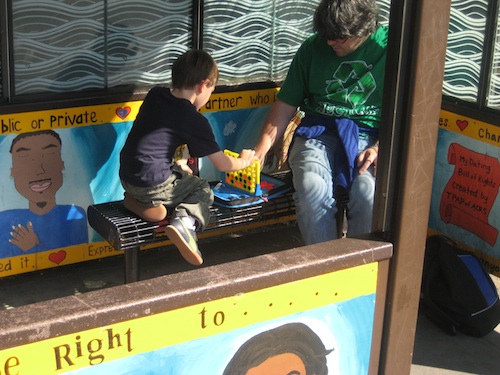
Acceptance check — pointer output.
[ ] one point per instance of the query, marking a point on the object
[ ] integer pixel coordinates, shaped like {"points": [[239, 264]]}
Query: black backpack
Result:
{"points": [[457, 292]]}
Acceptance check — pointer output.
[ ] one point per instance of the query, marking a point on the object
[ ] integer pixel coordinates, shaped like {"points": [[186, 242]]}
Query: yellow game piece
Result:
{"points": [[247, 179]]}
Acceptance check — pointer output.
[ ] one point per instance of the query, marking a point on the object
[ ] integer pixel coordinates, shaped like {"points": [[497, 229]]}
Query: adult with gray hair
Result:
{"points": [[336, 78]]}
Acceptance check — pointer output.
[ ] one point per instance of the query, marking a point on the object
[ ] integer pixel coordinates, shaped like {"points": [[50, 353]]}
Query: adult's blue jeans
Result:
{"points": [[311, 161]]}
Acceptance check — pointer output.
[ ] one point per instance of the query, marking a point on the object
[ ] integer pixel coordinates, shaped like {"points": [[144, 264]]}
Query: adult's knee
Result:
{"points": [[363, 188], [313, 185]]}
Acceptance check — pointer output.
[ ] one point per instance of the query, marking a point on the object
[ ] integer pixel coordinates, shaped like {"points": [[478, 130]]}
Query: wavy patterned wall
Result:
{"points": [[465, 48], [74, 45], [493, 100], [384, 8], [255, 40], [1, 80]]}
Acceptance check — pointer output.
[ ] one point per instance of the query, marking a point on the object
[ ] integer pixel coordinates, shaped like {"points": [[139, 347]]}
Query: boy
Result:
{"points": [[167, 119]]}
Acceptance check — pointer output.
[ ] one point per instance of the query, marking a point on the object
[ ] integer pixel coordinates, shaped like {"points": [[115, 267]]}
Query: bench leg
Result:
{"points": [[132, 265]]}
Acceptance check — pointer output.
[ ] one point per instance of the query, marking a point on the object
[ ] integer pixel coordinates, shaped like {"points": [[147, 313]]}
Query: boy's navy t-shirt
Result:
{"points": [[164, 122]]}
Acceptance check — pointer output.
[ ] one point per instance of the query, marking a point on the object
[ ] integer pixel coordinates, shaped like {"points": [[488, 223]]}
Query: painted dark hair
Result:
{"points": [[296, 338], [343, 19], [34, 134], [192, 67]]}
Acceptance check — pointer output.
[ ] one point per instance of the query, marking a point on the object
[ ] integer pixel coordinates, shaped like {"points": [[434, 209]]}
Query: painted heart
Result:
{"points": [[123, 112], [58, 257], [462, 124]]}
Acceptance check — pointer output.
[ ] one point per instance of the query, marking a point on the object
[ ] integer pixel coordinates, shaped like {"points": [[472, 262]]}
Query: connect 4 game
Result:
{"points": [[247, 179], [247, 186]]}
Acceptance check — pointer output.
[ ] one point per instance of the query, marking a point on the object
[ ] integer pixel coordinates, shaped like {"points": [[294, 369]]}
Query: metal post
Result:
{"points": [[417, 91], [131, 265]]}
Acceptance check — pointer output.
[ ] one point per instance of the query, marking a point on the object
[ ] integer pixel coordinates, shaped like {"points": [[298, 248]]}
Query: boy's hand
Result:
{"points": [[183, 164]]}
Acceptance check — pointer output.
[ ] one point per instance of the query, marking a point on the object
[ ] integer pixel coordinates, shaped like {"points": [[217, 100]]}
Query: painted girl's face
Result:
{"points": [[281, 364]]}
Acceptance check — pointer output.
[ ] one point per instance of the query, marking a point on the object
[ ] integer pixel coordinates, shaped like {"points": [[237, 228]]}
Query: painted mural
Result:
{"points": [[464, 204], [319, 325], [57, 163], [37, 174]]}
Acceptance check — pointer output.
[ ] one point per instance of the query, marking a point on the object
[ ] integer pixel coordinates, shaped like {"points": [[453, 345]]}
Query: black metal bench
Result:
{"points": [[126, 231]]}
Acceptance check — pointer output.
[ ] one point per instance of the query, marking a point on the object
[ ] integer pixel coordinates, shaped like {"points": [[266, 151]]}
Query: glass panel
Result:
{"points": [[58, 45], [144, 38], [493, 99], [74, 45], [1, 77], [465, 49], [255, 41], [384, 9]]}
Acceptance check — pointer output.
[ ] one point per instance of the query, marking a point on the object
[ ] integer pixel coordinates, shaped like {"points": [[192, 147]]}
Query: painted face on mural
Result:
{"points": [[37, 170], [282, 364], [290, 349]]}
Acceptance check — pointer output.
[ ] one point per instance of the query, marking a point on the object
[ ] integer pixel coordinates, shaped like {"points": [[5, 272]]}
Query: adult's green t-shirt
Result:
{"points": [[324, 84]]}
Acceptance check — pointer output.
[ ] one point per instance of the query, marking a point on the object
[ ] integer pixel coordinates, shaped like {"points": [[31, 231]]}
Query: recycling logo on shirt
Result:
{"points": [[353, 84]]}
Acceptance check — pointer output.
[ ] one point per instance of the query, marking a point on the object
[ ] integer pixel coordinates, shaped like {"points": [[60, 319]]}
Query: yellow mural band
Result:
{"points": [[121, 112], [81, 349], [56, 257], [470, 127]]}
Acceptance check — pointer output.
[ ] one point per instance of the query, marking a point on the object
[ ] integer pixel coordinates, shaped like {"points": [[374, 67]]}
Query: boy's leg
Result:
{"points": [[148, 213], [192, 197], [143, 201], [182, 233]]}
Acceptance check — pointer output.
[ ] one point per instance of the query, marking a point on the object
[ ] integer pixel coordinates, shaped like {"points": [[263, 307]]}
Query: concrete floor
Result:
{"points": [[435, 352]]}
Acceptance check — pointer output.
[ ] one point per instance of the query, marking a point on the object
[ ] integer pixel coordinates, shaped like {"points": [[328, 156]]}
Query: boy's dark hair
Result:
{"points": [[192, 67], [343, 19]]}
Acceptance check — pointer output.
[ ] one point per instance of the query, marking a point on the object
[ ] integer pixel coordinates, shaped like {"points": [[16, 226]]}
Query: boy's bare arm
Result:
{"points": [[226, 163]]}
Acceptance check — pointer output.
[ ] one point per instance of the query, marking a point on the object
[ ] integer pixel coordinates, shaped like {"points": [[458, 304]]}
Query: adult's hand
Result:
{"points": [[273, 129], [366, 158]]}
